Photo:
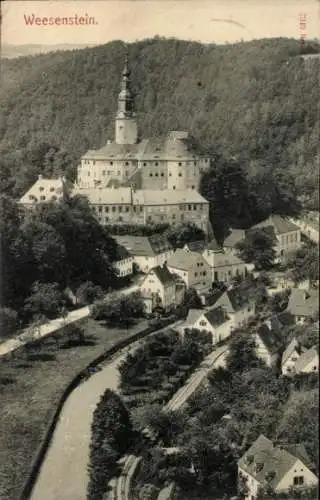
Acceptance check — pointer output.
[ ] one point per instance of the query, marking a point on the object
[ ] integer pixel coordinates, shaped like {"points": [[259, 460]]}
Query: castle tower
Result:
{"points": [[126, 126]]}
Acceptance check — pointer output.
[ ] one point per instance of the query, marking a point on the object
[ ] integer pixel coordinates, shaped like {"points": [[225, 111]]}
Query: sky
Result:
{"points": [[208, 21]]}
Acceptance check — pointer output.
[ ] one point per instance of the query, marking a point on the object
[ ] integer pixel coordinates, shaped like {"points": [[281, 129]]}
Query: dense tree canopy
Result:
{"points": [[252, 100], [258, 247]]}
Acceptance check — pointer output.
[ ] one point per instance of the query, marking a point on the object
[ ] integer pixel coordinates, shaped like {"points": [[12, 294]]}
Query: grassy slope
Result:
{"points": [[31, 395]]}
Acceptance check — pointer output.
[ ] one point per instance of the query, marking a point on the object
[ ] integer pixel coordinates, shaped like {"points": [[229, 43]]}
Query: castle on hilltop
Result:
{"points": [[134, 181]]}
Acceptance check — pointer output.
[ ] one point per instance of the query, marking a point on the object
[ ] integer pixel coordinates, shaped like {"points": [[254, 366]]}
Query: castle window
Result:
{"points": [[151, 174], [42, 198], [156, 163], [195, 274], [179, 163], [170, 174], [111, 163], [162, 174], [94, 162], [127, 163], [161, 217], [194, 162], [41, 188], [144, 164], [99, 209], [120, 209], [127, 209], [103, 172], [114, 209], [173, 187], [52, 189], [173, 216], [194, 207], [189, 207], [192, 187], [134, 209], [180, 174], [106, 209], [120, 219], [200, 207], [156, 174], [141, 209], [106, 219], [149, 218]]}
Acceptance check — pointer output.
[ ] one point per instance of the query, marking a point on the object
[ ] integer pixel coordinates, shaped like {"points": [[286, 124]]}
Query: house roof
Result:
{"points": [[213, 245], [272, 459], [163, 274], [238, 298], [281, 225], [43, 190], [193, 316], [306, 358], [269, 338], [146, 197], [303, 302], [184, 259], [229, 260], [293, 346], [216, 316], [234, 237], [195, 246], [176, 144], [144, 246]]}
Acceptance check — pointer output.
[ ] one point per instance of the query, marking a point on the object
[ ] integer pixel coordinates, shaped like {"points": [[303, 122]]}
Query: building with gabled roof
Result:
{"points": [[191, 268], [238, 305], [234, 237], [160, 289], [46, 190], [280, 467], [147, 251], [308, 361], [214, 320], [268, 343], [303, 304], [289, 357], [124, 262], [287, 234]]}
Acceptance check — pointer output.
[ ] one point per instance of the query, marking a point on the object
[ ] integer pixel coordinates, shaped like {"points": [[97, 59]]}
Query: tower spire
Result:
{"points": [[126, 127]]}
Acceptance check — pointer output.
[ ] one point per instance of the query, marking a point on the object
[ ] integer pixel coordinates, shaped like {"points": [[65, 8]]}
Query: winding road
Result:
{"points": [[63, 475]]}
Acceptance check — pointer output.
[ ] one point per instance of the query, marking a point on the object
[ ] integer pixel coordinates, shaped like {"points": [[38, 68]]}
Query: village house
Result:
{"points": [[225, 265], [267, 342], [147, 251], [160, 289], [45, 190], [124, 262], [309, 226], [237, 305], [308, 361], [234, 237], [191, 268], [279, 467], [214, 321], [290, 356], [303, 304], [287, 234]]}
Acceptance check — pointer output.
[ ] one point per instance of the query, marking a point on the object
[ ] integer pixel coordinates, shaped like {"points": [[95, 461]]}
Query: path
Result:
{"points": [[49, 328], [63, 475]]}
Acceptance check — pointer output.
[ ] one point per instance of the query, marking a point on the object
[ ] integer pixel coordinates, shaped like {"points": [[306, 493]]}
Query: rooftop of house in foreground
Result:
{"points": [[263, 457], [281, 225]]}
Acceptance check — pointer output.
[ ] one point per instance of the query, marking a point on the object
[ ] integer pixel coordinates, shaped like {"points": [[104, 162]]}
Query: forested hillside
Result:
{"points": [[256, 101]]}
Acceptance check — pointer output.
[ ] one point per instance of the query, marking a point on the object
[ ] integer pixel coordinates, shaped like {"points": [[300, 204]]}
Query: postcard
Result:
{"points": [[159, 228]]}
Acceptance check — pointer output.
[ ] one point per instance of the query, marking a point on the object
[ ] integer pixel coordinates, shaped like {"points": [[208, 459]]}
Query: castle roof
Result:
{"points": [[175, 145], [149, 197]]}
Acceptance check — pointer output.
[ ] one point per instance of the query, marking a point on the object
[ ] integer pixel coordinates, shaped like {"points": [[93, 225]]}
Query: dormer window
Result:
{"points": [[42, 198], [52, 189], [41, 188], [53, 198]]}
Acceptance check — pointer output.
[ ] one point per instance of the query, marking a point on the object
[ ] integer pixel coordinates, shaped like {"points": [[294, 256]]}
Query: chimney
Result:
{"points": [[40, 177]]}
